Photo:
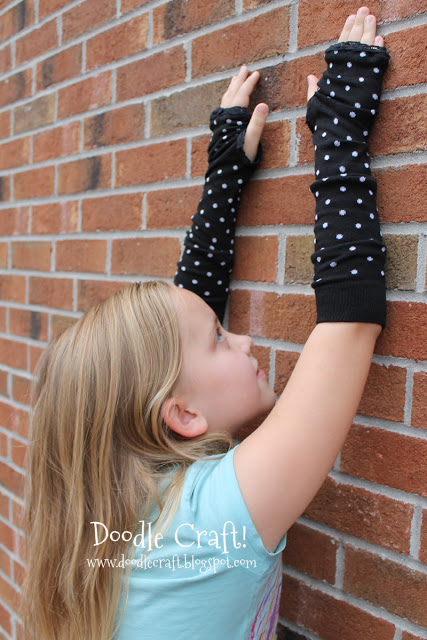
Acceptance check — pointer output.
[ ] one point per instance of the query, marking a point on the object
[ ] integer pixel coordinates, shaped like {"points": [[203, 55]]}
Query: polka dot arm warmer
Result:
{"points": [[349, 256], [208, 256]]}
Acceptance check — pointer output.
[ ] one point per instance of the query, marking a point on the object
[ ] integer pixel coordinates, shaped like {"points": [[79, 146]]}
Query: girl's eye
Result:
{"points": [[220, 337]]}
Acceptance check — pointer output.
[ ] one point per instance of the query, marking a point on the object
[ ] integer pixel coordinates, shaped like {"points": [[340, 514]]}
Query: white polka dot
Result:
{"points": [[349, 65], [335, 120], [366, 165], [362, 178], [326, 157], [333, 264], [358, 225], [227, 231], [318, 259], [352, 114], [359, 200], [383, 249], [214, 240], [210, 255], [317, 194], [188, 251], [335, 52], [330, 65], [328, 81], [228, 121], [209, 274], [376, 70], [342, 168], [240, 181], [371, 193], [207, 224], [183, 268], [347, 88], [361, 79], [219, 282], [339, 236], [365, 133], [337, 143], [219, 171], [343, 189], [342, 212], [354, 271], [181, 286], [215, 205], [222, 264], [332, 94], [372, 216], [224, 137], [324, 225], [209, 191], [352, 248], [197, 263], [214, 121], [202, 211], [224, 186], [382, 273], [324, 134], [194, 281], [239, 123], [362, 54], [349, 138], [354, 154], [222, 219], [235, 167], [373, 111], [369, 258], [357, 105], [328, 201], [317, 172], [375, 96]]}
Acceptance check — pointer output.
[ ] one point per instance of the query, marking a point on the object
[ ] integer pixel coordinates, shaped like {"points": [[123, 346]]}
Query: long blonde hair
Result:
{"points": [[98, 451]]}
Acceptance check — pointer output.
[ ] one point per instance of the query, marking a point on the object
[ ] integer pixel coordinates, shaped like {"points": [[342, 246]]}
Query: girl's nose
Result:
{"points": [[244, 342]]}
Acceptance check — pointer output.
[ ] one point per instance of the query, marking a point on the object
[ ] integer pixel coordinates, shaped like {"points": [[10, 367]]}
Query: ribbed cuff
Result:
{"points": [[345, 303]]}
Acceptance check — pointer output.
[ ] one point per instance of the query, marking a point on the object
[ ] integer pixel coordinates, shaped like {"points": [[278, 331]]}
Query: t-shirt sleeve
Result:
{"points": [[216, 500]]}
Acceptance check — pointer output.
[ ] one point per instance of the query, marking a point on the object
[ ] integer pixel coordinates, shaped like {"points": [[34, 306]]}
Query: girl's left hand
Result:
{"points": [[237, 95]]}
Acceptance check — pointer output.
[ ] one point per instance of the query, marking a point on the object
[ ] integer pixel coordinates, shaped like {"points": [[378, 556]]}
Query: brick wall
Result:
{"points": [[104, 106]]}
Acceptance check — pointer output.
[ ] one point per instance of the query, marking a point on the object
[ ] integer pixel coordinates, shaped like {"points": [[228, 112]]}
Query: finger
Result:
{"points": [[359, 24], [369, 31], [238, 80], [242, 96], [312, 86], [345, 33], [379, 41], [254, 131]]}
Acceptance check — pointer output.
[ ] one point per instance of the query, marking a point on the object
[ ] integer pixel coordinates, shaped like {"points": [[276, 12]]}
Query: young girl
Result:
{"points": [[144, 518]]}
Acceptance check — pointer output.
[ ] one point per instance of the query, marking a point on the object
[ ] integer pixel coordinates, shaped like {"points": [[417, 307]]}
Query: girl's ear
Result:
{"points": [[184, 420]]}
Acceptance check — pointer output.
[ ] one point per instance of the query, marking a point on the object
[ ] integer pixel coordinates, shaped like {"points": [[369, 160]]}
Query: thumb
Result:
{"points": [[312, 81], [254, 131]]}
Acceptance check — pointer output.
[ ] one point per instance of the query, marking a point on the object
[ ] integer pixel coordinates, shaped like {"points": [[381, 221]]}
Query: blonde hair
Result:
{"points": [[98, 452]]}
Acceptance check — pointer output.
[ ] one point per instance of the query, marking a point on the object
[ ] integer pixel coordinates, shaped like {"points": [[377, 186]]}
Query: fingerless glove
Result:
{"points": [[208, 256], [349, 256]]}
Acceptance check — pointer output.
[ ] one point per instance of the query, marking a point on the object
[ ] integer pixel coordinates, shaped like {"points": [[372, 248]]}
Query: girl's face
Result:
{"points": [[219, 380]]}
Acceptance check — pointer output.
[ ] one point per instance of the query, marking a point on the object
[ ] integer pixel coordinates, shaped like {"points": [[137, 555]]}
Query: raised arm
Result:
{"points": [[281, 466], [234, 152]]}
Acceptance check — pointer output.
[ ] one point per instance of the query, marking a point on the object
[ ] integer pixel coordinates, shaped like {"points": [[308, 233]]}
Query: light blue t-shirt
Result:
{"points": [[211, 576]]}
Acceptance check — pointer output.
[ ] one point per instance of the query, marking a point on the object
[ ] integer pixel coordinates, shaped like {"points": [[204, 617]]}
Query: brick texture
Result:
{"points": [[104, 129]]}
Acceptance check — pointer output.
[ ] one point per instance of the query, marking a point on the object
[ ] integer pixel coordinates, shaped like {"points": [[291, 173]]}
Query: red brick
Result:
{"points": [[61, 323], [279, 201], [3, 255], [327, 617], [304, 143], [130, 5], [46, 7], [18, 449], [311, 552], [408, 57], [234, 45], [14, 353], [183, 16], [269, 315], [14, 153], [330, 17], [5, 59], [8, 593], [145, 256], [114, 127], [85, 95], [31, 255], [34, 183], [276, 144], [39, 40], [20, 393], [5, 188], [55, 217], [86, 16], [380, 460], [5, 620], [151, 163], [419, 401], [57, 142], [59, 67], [51, 292], [35, 114], [423, 537], [4, 440], [118, 42], [285, 364], [6, 535], [5, 124], [29, 324], [90, 292], [13, 21], [122, 212], [4, 505], [387, 584], [384, 394], [410, 636], [400, 126], [256, 258], [402, 184], [14, 419], [81, 255], [12, 288], [159, 71], [85, 175], [3, 330], [35, 353], [405, 333], [5, 565], [16, 87], [199, 155], [172, 207], [13, 220], [285, 85]]}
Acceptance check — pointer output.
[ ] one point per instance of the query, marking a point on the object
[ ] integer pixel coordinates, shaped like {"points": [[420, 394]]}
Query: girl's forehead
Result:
{"points": [[190, 308]]}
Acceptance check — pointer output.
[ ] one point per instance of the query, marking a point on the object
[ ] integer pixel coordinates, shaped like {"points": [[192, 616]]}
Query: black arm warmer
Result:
{"points": [[349, 278], [208, 256]]}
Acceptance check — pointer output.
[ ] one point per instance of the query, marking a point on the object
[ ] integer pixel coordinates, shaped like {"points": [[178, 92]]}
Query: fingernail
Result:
{"points": [[262, 108], [370, 19]]}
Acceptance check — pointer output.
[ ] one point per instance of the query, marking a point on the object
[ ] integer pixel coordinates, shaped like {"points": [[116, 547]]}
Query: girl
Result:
{"points": [[144, 518]]}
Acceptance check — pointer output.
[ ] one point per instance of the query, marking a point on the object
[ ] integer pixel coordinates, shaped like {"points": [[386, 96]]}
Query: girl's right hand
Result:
{"points": [[357, 28]]}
